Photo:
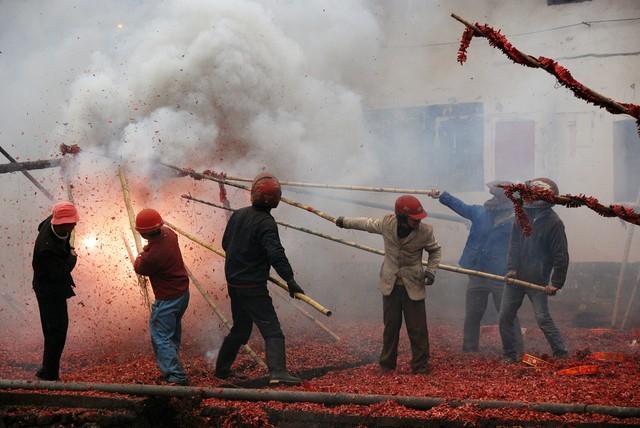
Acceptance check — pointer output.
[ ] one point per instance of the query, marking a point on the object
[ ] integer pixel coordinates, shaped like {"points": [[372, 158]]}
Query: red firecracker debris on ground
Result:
{"points": [[455, 375]]}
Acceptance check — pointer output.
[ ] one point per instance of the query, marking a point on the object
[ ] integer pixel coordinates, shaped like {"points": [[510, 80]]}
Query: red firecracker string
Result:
{"points": [[223, 190], [521, 193], [73, 149], [498, 40]]}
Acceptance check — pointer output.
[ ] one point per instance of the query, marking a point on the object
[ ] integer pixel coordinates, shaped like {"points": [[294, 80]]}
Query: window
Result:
{"points": [[626, 159], [437, 145]]}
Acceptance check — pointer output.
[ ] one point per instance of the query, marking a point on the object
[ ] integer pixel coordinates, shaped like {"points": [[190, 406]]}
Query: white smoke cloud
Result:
{"points": [[263, 82]]}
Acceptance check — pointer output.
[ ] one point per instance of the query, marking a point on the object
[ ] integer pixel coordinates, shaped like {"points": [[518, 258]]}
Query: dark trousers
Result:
{"points": [[478, 291], [415, 315], [55, 322], [511, 301], [249, 305]]}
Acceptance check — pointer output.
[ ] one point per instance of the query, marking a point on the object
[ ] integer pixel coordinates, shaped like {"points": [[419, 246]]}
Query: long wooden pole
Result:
{"points": [[449, 268], [29, 176], [142, 281], [303, 297], [224, 319], [631, 302], [29, 165], [319, 323], [343, 187], [291, 202], [623, 269]]}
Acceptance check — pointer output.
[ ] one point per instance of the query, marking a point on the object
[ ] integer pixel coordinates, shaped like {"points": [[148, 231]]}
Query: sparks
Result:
{"points": [[90, 242]]}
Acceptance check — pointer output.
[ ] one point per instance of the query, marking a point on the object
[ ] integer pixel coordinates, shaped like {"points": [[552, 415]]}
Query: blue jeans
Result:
{"points": [[512, 299], [166, 332]]}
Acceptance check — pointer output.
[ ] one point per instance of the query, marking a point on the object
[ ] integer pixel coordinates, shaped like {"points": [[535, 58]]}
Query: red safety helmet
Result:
{"points": [[410, 206], [266, 191], [148, 220], [544, 184]]}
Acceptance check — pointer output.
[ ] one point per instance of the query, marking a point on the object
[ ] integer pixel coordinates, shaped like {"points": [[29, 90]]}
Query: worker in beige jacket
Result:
{"points": [[403, 278]]}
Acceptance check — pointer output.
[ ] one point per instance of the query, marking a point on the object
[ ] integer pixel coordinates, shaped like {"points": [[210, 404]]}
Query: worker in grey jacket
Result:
{"points": [[403, 278]]}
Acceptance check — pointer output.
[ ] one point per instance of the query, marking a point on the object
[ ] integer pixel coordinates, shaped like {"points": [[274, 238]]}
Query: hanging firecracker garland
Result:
{"points": [[498, 40], [520, 193]]}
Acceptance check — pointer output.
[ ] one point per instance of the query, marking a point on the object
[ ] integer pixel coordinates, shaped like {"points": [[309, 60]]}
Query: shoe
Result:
{"points": [[385, 369], [509, 360], [284, 379], [276, 361], [42, 375], [231, 374], [561, 354], [422, 371]]}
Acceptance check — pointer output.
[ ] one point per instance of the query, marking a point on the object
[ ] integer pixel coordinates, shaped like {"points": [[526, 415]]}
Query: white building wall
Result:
{"points": [[573, 139]]}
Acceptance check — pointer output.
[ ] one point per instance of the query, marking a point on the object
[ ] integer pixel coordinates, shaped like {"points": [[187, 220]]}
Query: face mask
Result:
{"points": [[403, 226]]}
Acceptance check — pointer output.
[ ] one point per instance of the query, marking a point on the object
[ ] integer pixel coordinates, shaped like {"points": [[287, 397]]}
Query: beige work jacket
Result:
{"points": [[403, 257]]}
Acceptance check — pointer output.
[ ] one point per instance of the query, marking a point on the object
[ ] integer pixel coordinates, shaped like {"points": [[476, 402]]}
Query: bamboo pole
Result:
{"points": [[631, 301], [343, 187], [132, 259], [320, 324], [200, 176], [308, 300], [142, 281], [456, 269], [224, 319], [623, 269], [29, 165], [29, 176]]}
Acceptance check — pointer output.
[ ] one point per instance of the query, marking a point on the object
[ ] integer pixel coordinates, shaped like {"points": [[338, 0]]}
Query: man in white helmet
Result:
{"points": [[541, 258]]}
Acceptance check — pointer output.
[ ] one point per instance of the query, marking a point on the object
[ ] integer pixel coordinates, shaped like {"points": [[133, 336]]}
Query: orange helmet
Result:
{"points": [[148, 220], [410, 206], [266, 191]]}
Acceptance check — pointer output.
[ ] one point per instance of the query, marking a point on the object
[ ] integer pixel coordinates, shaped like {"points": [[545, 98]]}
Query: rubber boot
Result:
{"points": [[226, 357], [276, 361]]}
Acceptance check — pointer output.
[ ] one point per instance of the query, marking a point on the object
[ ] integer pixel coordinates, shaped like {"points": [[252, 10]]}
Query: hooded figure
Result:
{"points": [[485, 251], [541, 258]]}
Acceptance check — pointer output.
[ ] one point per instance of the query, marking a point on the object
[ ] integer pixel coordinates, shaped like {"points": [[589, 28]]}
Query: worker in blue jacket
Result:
{"points": [[486, 251]]}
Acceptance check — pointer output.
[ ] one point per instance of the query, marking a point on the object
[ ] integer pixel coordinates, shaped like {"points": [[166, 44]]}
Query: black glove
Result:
{"points": [[429, 278], [294, 288], [340, 222]]}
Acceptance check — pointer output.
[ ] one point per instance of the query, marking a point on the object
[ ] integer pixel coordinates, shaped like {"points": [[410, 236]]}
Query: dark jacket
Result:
{"points": [[162, 262], [488, 242], [252, 244], [534, 257], [52, 264]]}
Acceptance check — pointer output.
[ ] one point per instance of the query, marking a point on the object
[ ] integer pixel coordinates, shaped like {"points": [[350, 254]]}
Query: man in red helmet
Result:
{"points": [[161, 260], [252, 246], [541, 258], [53, 261], [402, 278]]}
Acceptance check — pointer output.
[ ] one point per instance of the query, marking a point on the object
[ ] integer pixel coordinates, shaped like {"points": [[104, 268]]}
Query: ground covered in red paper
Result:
{"points": [[455, 375]]}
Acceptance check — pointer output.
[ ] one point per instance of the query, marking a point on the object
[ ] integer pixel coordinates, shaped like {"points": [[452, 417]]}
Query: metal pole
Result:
{"points": [[326, 398]]}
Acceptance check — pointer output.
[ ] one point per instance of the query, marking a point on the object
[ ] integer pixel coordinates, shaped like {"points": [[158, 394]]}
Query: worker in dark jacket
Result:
{"points": [[485, 251], [541, 258], [252, 246], [53, 261], [161, 260]]}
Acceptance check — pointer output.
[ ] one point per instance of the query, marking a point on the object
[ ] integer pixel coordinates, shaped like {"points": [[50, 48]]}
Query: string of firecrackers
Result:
{"points": [[69, 149], [519, 193], [223, 190], [562, 74]]}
